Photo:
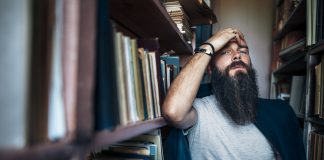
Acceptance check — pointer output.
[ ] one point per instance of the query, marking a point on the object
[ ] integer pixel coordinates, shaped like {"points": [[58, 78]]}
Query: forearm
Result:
{"points": [[183, 89]]}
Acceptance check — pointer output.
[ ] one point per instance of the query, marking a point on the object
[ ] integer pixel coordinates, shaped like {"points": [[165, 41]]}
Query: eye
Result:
{"points": [[243, 51], [227, 51]]}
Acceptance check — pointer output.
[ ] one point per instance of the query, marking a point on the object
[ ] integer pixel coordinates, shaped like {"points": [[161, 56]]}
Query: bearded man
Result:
{"points": [[232, 123]]}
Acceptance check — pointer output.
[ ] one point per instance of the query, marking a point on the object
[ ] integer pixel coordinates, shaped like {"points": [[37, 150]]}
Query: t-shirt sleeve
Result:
{"points": [[197, 107]]}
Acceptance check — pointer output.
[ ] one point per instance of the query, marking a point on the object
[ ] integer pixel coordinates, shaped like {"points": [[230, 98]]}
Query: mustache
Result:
{"points": [[238, 63]]}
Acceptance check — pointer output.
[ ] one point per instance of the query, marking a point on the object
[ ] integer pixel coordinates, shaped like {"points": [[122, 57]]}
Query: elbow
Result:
{"points": [[172, 115]]}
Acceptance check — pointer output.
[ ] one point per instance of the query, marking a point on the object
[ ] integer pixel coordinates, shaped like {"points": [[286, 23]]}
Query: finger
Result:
{"points": [[240, 37], [241, 34], [229, 30]]}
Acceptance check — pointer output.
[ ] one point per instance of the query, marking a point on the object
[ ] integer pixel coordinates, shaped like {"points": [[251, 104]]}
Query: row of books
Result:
{"points": [[170, 67], [319, 107], [144, 147], [138, 80], [317, 145], [315, 25]]}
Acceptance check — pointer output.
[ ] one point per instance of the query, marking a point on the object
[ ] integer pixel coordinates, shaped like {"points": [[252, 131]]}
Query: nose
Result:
{"points": [[236, 56]]}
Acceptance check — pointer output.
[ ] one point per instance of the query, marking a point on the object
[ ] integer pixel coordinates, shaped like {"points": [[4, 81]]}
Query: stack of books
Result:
{"points": [[180, 18]]}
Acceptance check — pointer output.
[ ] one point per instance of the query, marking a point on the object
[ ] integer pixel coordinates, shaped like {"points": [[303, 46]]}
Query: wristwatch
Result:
{"points": [[208, 52], [202, 50]]}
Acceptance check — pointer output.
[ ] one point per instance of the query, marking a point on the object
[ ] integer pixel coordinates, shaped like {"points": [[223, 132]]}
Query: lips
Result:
{"points": [[238, 66]]}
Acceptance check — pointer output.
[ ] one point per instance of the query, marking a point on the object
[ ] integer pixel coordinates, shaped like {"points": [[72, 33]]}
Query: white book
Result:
{"points": [[147, 83], [121, 86], [155, 84], [129, 80]]}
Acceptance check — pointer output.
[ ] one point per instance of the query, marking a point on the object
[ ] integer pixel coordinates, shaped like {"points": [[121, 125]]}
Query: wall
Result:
{"points": [[254, 18], [14, 67]]}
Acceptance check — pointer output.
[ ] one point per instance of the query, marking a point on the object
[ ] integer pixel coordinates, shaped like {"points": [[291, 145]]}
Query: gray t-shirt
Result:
{"points": [[216, 136]]}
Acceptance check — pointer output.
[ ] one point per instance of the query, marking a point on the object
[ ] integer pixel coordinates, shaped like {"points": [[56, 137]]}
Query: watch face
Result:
{"points": [[202, 50]]}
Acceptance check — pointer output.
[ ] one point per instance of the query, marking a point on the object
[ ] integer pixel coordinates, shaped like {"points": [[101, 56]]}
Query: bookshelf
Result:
{"points": [[307, 16], [137, 19]]}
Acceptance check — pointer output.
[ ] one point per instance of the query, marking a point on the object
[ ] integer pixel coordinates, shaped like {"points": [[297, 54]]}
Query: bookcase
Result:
{"points": [[84, 38], [296, 63]]}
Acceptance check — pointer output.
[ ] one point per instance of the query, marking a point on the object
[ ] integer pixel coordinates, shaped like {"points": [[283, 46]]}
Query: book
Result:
{"points": [[309, 19], [172, 69], [129, 80], [318, 93], [203, 33], [198, 11], [106, 110], [56, 110], [321, 87], [180, 18], [130, 149], [163, 74], [147, 83], [153, 137], [275, 60], [120, 78], [152, 46], [316, 145], [155, 83], [296, 93], [137, 81]]}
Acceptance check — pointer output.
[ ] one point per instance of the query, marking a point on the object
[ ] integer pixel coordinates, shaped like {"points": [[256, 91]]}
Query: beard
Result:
{"points": [[237, 95]]}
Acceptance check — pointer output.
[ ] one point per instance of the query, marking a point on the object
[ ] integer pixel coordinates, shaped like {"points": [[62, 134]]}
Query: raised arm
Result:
{"points": [[177, 108]]}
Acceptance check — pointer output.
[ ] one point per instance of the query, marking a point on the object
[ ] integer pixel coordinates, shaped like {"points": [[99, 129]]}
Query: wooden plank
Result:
{"points": [[295, 66], [317, 121], [317, 48]]}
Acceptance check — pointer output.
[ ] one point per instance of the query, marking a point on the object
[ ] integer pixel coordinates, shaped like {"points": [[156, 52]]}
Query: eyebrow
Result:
{"points": [[239, 46], [243, 46]]}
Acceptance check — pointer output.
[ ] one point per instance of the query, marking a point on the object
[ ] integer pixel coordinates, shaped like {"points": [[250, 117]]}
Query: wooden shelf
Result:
{"points": [[50, 151], [316, 120], [103, 138], [295, 66], [317, 48], [298, 46], [297, 18], [149, 19]]}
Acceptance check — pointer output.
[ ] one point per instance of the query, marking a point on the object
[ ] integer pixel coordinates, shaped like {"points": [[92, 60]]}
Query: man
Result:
{"points": [[233, 123]]}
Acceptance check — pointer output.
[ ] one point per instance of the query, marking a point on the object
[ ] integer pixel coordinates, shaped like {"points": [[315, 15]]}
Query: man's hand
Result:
{"points": [[219, 39]]}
